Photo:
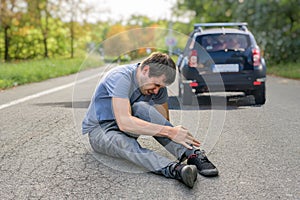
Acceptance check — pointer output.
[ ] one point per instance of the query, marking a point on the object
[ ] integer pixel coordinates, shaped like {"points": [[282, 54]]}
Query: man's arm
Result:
{"points": [[132, 124]]}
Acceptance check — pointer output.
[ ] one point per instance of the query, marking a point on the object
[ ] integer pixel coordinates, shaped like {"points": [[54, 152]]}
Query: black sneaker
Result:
{"points": [[186, 174], [204, 166]]}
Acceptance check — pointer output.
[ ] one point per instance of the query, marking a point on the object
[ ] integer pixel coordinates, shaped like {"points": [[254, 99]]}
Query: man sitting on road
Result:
{"points": [[130, 101]]}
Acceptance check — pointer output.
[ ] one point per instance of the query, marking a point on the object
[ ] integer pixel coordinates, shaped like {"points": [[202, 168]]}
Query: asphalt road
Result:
{"points": [[44, 156]]}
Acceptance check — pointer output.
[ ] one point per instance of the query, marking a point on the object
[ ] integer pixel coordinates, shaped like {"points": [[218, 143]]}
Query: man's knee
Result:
{"points": [[141, 104], [141, 109], [148, 112]]}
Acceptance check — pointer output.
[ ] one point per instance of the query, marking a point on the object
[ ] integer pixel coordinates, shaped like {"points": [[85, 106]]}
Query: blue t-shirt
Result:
{"points": [[119, 82]]}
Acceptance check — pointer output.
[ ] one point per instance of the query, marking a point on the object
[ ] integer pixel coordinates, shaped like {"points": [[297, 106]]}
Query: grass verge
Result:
{"points": [[289, 70], [18, 73]]}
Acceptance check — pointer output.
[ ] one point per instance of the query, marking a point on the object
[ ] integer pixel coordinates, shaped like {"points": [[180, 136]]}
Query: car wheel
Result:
{"points": [[187, 94], [179, 87], [260, 95]]}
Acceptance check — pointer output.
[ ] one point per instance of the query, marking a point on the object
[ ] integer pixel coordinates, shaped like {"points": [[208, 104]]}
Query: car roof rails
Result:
{"points": [[241, 25]]}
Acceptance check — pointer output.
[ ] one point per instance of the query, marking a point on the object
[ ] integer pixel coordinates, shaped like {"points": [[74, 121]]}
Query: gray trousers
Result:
{"points": [[108, 139]]}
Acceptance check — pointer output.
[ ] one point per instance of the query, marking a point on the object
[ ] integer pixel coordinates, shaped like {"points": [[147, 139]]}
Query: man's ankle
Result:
{"points": [[187, 174]]}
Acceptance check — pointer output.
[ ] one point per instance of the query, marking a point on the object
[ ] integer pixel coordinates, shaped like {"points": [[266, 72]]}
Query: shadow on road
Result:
{"points": [[69, 104], [219, 102], [201, 103]]}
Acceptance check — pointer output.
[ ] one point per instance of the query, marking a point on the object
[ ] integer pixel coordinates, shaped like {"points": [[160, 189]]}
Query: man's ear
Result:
{"points": [[145, 70]]}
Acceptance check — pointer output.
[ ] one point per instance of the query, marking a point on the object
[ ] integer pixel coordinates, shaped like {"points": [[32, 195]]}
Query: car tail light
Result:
{"points": [[259, 81], [193, 84], [193, 59], [256, 57], [256, 83]]}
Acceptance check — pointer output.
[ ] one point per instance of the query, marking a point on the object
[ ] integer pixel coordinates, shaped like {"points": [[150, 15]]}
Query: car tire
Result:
{"points": [[179, 87], [260, 95], [187, 94]]}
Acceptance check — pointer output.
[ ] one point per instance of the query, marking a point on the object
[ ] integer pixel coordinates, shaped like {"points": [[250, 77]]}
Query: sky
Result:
{"points": [[123, 9]]}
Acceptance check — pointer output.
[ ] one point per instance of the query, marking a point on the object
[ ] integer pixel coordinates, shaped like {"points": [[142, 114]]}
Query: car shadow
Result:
{"points": [[213, 102]]}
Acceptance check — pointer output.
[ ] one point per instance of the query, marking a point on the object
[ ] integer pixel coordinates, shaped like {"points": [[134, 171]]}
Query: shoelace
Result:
{"points": [[199, 154]]}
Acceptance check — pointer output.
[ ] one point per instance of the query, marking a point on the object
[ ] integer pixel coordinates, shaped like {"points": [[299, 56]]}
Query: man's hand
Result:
{"points": [[182, 136]]}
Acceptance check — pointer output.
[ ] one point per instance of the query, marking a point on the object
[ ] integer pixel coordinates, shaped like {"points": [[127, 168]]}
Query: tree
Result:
{"points": [[7, 13], [275, 23], [74, 12], [208, 10], [40, 10]]}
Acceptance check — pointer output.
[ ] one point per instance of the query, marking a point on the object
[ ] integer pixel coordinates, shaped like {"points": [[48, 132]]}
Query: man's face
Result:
{"points": [[150, 85]]}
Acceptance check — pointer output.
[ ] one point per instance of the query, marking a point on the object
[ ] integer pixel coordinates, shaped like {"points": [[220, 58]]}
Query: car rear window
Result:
{"points": [[219, 42]]}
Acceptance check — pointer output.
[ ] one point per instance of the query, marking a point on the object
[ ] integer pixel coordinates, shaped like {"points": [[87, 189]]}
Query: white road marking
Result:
{"points": [[27, 98]]}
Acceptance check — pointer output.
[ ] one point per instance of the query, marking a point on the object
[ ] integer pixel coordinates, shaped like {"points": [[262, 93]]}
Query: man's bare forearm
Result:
{"points": [[141, 127]]}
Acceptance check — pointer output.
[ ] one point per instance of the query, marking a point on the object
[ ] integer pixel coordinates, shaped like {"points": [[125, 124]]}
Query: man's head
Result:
{"points": [[160, 64], [157, 71]]}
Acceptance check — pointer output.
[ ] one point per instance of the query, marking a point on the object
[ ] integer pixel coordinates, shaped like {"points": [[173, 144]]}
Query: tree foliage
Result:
{"points": [[39, 28], [49, 28], [275, 23]]}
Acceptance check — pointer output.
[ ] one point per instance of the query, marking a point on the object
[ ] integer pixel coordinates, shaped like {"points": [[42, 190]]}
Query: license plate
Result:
{"points": [[225, 68]]}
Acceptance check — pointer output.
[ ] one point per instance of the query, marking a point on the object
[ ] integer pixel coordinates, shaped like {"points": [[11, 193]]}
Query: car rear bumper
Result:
{"points": [[203, 81]]}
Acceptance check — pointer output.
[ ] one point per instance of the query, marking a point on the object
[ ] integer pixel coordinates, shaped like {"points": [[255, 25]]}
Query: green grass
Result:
{"points": [[289, 70], [18, 73]]}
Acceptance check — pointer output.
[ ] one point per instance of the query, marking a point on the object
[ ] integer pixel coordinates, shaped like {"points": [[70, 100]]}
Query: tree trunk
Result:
{"points": [[45, 47], [72, 39], [6, 44]]}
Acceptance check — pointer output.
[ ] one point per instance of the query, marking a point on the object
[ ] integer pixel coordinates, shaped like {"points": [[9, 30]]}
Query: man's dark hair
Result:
{"points": [[160, 64]]}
